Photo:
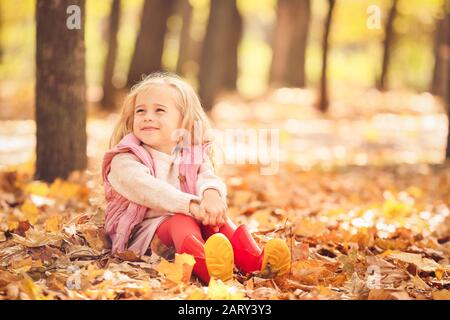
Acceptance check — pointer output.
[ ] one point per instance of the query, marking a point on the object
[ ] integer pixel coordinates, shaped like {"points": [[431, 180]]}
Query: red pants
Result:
{"points": [[174, 230], [178, 228]]}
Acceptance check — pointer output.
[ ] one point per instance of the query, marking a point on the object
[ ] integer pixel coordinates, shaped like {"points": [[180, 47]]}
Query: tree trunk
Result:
{"points": [[149, 46], [323, 99], [185, 10], [289, 43], [231, 69], [108, 100], [387, 45], [447, 152], [60, 91], [442, 59], [219, 62], [1, 38]]}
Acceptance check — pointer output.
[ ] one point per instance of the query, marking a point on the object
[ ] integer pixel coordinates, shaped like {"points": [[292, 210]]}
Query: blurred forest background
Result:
{"points": [[356, 52], [286, 64]]}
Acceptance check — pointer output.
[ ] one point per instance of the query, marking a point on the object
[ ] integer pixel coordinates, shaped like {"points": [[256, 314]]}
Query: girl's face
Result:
{"points": [[156, 117]]}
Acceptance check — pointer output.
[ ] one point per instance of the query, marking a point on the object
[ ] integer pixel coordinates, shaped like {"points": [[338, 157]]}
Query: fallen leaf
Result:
{"points": [[38, 188], [423, 264], [93, 237], [178, 271], [307, 228], [310, 271], [36, 238], [24, 265], [30, 211], [128, 255], [52, 224], [22, 227], [217, 290]]}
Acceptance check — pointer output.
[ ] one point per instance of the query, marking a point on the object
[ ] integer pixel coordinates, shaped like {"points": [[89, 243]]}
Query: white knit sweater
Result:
{"points": [[160, 193]]}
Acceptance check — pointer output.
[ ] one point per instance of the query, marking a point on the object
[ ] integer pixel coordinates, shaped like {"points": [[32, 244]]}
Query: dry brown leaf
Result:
{"points": [[93, 236], [423, 264], [310, 271], [36, 238]]}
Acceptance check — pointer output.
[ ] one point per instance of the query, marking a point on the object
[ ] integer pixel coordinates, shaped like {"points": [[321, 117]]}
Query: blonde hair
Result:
{"points": [[187, 102]]}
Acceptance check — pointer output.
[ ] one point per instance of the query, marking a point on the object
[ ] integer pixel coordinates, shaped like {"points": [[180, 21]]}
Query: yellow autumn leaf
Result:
{"points": [[63, 190], [52, 224], [395, 209], [30, 211], [217, 290], [12, 224], [178, 271], [439, 273], [38, 188]]}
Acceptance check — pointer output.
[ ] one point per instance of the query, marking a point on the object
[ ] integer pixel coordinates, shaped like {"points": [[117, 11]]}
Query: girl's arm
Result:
{"points": [[207, 179], [132, 179], [213, 192]]}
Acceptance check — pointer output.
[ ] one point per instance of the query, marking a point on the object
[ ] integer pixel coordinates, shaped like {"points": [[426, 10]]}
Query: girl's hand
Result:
{"points": [[213, 208], [194, 209]]}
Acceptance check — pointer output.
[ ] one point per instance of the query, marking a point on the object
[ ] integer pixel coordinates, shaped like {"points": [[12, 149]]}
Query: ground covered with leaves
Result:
{"points": [[354, 232]]}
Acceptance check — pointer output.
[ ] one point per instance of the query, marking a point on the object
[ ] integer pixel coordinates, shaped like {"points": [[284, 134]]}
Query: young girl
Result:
{"points": [[162, 192]]}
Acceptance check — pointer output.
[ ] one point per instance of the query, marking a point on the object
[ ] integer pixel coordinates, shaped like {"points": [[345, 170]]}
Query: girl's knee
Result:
{"points": [[183, 220], [183, 226]]}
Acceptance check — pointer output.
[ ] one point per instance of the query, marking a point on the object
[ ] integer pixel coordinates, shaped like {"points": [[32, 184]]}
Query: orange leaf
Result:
{"points": [[178, 271]]}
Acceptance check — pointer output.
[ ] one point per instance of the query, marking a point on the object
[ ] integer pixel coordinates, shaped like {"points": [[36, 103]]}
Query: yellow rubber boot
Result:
{"points": [[219, 257], [276, 260]]}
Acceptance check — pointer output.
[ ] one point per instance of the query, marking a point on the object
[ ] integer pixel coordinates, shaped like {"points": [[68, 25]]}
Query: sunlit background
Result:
{"points": [[362, 126]]}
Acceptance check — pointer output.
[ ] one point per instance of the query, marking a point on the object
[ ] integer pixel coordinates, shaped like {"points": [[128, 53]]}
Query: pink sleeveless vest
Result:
{"points": [[122, 215]]}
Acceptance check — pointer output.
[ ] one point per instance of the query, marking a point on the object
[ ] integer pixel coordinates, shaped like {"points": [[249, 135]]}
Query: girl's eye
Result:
{"points": [[139, 110], [159, 109]]}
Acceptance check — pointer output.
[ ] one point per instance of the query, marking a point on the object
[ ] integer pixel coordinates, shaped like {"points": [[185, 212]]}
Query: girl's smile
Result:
{"points": [[156, 117], [148, 128]]}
